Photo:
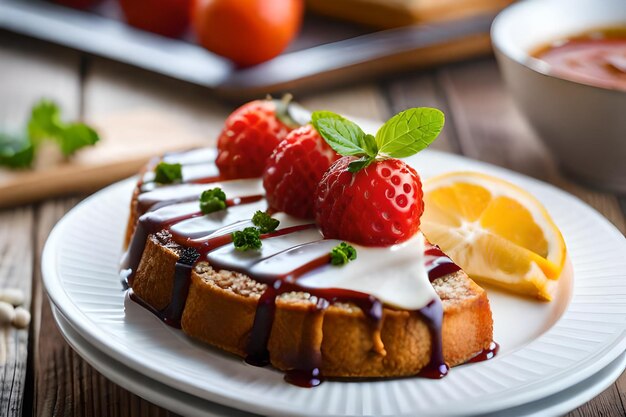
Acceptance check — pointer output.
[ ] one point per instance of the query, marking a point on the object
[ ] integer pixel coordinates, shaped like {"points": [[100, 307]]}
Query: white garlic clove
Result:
{"points": [[21, 320], [13, 296], [7, 313]]}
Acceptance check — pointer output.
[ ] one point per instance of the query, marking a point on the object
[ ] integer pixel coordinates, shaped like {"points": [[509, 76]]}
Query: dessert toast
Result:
{"points": [[306, 332]]}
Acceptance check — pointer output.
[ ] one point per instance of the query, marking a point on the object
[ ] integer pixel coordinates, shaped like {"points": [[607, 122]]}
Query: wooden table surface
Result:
{"points": [[43, 375]]}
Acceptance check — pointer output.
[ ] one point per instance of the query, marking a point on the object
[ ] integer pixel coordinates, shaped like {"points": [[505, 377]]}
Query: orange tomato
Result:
{"points": [[246, 31]]}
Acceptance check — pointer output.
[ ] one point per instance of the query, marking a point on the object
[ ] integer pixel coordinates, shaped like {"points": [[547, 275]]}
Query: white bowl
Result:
{"points": [[584, 126]]}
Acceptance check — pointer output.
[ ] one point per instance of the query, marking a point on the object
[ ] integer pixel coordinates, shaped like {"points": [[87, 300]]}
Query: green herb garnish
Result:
{"points": [[246, 239], [212, 200], [168, 173], [45, 123], [403, 135], [249, 238], [342, 254], [18, 151], [264, 222]]}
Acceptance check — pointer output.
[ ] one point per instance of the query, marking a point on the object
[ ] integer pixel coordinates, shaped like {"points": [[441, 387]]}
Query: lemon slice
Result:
{"points": [[495, 231]]}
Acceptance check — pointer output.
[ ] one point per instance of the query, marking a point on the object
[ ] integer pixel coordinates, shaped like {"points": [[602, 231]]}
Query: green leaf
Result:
{"points": [[168, 173], [342, 254], [409, 132], [264, 222], [16, 151], [212, 200], [44, 124], [359, 164], [345, 137], [403, 135], [323, 114], [370, 145], [75, 136], [45, 121], [247, 239]]}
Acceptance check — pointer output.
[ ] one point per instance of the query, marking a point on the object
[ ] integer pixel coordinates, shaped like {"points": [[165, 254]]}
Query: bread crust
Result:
{"points": [[221, 307]]}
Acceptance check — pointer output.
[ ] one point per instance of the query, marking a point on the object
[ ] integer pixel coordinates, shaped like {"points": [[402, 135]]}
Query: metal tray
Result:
{"points": [[325, 53]]}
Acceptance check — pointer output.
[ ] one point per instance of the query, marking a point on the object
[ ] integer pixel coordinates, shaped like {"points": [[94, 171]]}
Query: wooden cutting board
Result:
{"points": [[127, 141], [395, 13]]}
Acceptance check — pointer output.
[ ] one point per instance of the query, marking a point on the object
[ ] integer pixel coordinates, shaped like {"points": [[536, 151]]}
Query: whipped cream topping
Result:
{"points": [[199, 227], [232, 188], [200, 156], [396, 275]]}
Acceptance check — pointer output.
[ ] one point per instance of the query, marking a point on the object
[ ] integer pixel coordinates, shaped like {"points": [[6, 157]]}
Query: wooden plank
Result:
{"points": [[113, 88], [622, 203], [48, 345], [607, 204], [423, 90], [488, 126], [608, 403], [29, 70], [16, 265], [621, 389], [66, 384], [363, 101]]}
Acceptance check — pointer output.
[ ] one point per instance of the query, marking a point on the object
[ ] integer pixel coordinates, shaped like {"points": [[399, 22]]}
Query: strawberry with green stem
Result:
{"points": [[370, 197], [249, 136]]}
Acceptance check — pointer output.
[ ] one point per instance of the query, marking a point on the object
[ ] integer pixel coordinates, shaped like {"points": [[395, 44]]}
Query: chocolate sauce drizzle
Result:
{"points": [[438, 264], [307, 370], [488, 353], [182, 274]]}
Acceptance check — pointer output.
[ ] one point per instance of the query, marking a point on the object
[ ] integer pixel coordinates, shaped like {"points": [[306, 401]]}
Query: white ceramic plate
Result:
{"points": [[149, 389], [546, 348], [189, 405]]}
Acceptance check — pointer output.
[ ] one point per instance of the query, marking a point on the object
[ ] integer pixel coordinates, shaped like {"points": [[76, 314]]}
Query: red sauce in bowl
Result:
{"points": [[596, 58]]}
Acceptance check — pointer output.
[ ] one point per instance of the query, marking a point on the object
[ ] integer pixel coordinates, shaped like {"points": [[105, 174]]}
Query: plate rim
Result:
{"points": [[561, 407], [223, 396]]}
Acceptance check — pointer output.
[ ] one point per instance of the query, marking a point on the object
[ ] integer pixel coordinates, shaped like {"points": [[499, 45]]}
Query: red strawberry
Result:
{"points": [[294, 170], [377, 206], [249, 136]]}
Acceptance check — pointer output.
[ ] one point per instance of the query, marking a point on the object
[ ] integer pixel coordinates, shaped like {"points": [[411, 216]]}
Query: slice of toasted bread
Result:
{"points": [[221, 306]]}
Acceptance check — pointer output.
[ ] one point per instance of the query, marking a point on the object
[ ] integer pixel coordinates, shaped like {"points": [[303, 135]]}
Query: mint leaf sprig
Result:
{"points": [[405, 134], [16, 151], [19, 151], [45, 123]]}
